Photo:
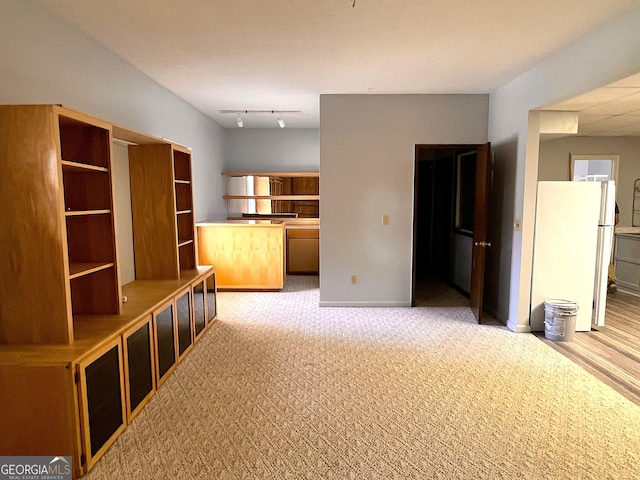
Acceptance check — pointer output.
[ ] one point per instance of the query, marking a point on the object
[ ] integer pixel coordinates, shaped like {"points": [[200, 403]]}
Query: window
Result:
{"points": [[465, 191], [594, 168]]}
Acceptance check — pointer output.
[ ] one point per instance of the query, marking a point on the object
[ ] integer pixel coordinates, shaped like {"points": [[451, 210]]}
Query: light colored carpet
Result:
{"points": [[279, 388]]}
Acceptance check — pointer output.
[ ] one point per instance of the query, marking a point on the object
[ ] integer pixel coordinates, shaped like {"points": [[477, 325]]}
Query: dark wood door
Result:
{"points": [[480, 242]]}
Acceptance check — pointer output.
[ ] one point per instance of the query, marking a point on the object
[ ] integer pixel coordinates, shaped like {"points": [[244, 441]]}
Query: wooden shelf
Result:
{"points": [[66, 164], [78, 213], [79, 269], [271, 193]]}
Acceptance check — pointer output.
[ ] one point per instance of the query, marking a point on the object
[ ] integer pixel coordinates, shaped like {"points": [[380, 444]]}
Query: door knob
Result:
{"points": [[482, 244]]}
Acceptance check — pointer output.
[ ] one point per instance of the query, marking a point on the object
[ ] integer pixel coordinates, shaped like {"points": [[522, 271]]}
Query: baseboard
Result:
{"points": [[517, 328], [365, 304]]}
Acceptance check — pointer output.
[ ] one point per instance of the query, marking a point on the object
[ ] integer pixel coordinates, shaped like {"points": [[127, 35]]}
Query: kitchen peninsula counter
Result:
{"points": [[247, 254]]}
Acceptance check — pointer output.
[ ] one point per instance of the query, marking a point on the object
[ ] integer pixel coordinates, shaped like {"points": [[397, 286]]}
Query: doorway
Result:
{"points": [[450, 188]]}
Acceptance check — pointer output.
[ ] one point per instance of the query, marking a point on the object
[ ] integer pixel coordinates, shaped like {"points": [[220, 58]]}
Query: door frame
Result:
{"points": [[418, 149]]}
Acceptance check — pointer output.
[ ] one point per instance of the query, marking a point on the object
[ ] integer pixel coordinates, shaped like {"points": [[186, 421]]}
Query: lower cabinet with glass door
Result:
{"points": [[74, 400], [102, 400], [205, 309], [139, 365]]}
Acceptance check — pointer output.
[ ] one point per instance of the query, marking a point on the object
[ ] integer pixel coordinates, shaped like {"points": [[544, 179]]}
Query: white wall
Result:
{"points": [[609, 54], [554, 164], [44, 59], [367, 157], [122, 207], [272, 149]]}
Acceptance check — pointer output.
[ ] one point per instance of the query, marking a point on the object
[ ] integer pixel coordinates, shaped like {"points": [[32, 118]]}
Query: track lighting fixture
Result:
{"points": [[239, 115]]}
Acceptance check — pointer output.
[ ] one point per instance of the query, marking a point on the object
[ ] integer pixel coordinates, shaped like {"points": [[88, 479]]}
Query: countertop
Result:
{"points": [[297, 223], [241, 222], [627, 230]]}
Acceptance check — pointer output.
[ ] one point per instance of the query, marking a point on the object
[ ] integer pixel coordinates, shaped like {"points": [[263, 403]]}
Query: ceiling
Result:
{"points": [[610, 111], [280, 55]]}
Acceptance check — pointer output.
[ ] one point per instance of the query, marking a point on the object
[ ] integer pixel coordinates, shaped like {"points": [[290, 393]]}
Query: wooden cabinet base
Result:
{"points": [[247, 256], [303, 251], [76, 399]]}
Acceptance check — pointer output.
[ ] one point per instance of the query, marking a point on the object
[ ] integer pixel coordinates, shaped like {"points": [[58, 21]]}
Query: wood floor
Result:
{"points": [[612, 352]]}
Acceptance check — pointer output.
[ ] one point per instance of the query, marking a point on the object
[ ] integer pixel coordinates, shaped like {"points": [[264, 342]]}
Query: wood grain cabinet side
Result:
{"points": [[247, 256], [39, 411]]}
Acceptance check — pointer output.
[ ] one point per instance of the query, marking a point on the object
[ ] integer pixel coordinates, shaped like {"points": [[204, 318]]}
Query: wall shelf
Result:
{"points": [[292, 194], [79, 269]]}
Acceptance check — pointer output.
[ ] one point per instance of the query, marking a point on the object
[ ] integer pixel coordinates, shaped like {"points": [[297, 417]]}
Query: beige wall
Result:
{"points": [[272, 149], [603, 56], [554, 163], [367, 159]]}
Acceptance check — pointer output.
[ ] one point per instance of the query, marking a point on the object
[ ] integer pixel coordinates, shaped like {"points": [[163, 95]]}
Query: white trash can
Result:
{"points": [[560, 319]]}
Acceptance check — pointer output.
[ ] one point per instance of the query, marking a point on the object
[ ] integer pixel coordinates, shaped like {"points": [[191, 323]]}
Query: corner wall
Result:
{"points": [[367, 158], [607, 55]]}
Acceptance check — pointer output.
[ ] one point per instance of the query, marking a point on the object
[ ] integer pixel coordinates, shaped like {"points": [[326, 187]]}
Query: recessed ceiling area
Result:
{"points": [[610, 111], [282, 54]]}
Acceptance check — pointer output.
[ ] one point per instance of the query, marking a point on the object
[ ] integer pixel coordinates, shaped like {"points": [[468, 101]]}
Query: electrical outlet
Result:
{"points": [[517, 225], [385, 219], [354, 279]]}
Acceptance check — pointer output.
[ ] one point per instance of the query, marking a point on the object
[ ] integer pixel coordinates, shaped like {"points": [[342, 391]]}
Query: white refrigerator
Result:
{"points": [[572, 249]]}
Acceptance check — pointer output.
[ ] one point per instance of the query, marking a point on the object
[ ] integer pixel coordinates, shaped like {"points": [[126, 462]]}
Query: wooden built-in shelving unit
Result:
{"points": [[77, 363], [290, 193], [163, 223]]}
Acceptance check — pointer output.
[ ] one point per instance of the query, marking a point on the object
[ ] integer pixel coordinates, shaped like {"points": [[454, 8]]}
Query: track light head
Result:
{"points": [[239, 115]]}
